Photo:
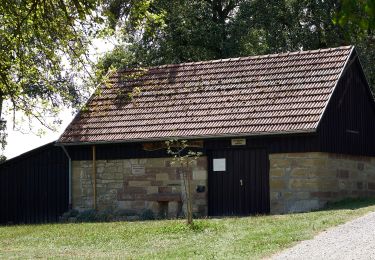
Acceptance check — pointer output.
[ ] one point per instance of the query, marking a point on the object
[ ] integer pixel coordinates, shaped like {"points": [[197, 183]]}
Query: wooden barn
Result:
{"points": [[34, 186], [279, 133]]}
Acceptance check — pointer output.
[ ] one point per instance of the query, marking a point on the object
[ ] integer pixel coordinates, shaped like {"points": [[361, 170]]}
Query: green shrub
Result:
{"points": [[68, 215], [87, 216], [204, 225], [124, 212], [104, 215], [147, 214]]}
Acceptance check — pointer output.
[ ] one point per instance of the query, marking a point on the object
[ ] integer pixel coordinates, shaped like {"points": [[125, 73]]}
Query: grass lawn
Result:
{"points": [[247, 237]]}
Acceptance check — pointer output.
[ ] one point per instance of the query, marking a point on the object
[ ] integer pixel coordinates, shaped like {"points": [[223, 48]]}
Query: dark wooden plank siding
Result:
{"points": [[273, 144], [112, 151], [348, 125], [34, 186], [243, 188]]}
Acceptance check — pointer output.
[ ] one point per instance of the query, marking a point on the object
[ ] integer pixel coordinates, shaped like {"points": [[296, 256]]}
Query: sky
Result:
{"points": [[19, 143]]}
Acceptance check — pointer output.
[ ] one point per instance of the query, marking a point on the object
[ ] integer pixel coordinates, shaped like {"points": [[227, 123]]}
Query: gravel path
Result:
{"points": [[352, 240]]}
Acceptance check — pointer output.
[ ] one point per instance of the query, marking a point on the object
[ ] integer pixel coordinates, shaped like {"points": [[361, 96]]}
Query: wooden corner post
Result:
{"points": [[94, 173]]}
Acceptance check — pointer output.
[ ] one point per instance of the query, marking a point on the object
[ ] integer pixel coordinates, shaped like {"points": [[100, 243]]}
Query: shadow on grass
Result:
{"points": [[345, 204], [350, 204]]}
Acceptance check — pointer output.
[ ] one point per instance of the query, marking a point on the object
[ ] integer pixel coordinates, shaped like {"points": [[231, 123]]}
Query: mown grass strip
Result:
{"points": [[234, 238]]}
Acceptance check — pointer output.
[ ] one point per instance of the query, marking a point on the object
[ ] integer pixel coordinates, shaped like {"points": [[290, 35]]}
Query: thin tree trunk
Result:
{"points": [[1, 104], [188, 199]]}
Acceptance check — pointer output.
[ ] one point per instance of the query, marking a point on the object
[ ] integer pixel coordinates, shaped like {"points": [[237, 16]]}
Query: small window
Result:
{"points": [[219, 165]]}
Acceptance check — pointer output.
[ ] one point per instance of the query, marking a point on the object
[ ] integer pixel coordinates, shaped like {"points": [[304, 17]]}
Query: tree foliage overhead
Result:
{"points": [[193, 30], [357, 12], [43, 46]]}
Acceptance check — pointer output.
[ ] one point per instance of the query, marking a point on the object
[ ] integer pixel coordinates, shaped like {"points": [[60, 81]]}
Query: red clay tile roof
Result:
{"points": [[243, 96]]}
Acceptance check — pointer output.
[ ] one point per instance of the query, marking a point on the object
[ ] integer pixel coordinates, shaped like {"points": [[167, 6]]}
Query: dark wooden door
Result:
{"points": [[238, 182]]}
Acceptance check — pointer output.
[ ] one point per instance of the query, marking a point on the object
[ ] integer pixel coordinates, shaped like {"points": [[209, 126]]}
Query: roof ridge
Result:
{"points": [[271, 55]]}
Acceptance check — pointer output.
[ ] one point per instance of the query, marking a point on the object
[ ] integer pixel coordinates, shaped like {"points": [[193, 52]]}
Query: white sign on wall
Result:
{"points": [[238, 141], [219, 165], [138, 169]]}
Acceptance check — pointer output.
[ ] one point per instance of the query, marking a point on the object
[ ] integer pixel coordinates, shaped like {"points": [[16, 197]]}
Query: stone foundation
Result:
{"points": [[298, 182], [138, 184], [306, 181]]}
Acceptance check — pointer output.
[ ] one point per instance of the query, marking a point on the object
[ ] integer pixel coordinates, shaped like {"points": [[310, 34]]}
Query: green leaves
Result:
{"points": [[44, 44], [357, 12], [163, 31], [43, 49], [357, 18]]}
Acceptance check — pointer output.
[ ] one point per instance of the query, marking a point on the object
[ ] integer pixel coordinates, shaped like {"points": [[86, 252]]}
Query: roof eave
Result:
{"points": [[305, 131], [25, 154]]}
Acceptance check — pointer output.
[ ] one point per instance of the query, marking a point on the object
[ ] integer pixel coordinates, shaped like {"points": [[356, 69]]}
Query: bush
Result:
{"points": [[147, 214], [104, 215], [87, 216], [124, 213], [68, 215], [107, 215]]}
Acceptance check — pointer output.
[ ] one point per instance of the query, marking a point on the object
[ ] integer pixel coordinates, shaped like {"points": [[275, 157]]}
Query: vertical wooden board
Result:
{"points": [[247, 184], [351, 108], [248, 165], [31, 191], [252, 173]]}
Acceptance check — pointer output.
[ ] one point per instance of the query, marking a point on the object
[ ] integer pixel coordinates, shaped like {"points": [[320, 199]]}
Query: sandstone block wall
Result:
{"points": [[305, 181], [298, 182], [157, 185]]}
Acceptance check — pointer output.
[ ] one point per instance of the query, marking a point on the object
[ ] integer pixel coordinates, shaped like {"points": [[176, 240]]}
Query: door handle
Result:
{"points": [[241, 182]]}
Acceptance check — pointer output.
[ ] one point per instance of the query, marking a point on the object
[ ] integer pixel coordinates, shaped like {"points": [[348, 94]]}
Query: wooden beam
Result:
{"points": [[94, 173]]}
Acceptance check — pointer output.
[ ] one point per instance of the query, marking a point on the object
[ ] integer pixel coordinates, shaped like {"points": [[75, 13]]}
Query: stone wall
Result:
{"points": [[138, 184], [305, 181], [298, 182]]}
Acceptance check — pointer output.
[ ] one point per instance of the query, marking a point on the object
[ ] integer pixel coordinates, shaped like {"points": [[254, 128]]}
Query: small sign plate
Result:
{"points": [[239, 141], [138, 169], [219, 165]]}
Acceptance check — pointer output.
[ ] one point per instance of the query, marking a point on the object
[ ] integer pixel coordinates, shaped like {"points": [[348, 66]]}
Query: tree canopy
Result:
{"points": [[44, 45], [357, 12], [192, 30], [43, 48]]}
